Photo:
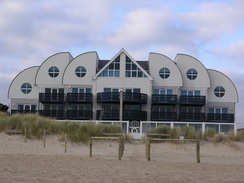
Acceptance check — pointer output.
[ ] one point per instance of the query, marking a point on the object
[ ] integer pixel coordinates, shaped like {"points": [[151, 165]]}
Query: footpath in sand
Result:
{"points": [[31, 162]]}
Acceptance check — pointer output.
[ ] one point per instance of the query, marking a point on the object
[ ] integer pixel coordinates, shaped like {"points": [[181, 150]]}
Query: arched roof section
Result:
{"points": [[26, 76], [219, 79], [156, 63], [59, 60], [187, 62], [88, 61]]}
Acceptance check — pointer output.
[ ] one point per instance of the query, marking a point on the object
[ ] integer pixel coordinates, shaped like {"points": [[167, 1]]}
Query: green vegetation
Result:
{"points": [[36, 124], [78, 132], [190, 133]]}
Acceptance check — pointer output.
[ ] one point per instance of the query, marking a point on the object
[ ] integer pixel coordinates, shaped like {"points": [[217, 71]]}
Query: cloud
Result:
{"points": [[212, 20], [231, 53]]}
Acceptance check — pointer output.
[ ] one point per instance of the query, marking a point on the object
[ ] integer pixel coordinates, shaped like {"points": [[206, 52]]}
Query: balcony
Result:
{"points": [[58, 114], [163, 116], [79, 114], [51, 97], [164, 99], [114, 97], [135, 115], [224, 118], [79, 97], [23, 111], [185, 116], [127, 115], [192, 100]]}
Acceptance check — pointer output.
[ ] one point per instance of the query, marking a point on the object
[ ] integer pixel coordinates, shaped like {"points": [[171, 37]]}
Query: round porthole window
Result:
{"points": [[26, 88], [219, 91], [53, 72], [164, 73], [80, 71], [191, 74]]}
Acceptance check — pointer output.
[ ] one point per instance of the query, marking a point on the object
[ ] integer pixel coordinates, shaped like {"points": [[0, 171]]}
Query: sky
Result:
{"points": [[210, 30]]}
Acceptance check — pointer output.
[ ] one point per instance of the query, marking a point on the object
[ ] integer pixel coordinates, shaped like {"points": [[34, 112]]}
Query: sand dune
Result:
{"points": [[31, 162]]}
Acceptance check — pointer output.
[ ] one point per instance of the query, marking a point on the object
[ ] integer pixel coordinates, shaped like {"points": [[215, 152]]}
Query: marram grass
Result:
{"points": [[190, 133], [77, 132], [36, 124]]}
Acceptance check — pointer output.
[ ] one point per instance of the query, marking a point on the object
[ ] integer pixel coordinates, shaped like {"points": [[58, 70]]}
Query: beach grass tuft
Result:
{"points": [[36, 125]]}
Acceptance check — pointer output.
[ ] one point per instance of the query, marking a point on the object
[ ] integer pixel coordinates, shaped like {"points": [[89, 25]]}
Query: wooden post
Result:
{"points": [[120, 148], [44, 138], [90, 143], [25, 134], [198, 151], [121, 104], [148, 148], [65, 143]]}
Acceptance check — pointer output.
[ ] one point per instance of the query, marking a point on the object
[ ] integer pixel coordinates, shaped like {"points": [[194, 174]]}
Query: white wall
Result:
{"points": [[89, 62], [26, 76], [157, 62], [219, 79], [60, 60], [202, 82]]}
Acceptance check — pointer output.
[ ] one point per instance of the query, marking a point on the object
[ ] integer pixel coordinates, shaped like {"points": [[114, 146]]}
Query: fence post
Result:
{"points": [[44, 138], [198, 151], [148, 148], [25, 134], [65, 143], [120, 148], [90, 143]]}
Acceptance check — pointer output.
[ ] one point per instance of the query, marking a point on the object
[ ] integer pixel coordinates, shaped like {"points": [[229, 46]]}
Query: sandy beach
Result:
{"points": [[31, 162]]}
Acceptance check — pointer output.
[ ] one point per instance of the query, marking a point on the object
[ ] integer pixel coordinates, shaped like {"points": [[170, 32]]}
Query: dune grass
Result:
{"points": [[36, 124], [190, 133], [78, 132]]}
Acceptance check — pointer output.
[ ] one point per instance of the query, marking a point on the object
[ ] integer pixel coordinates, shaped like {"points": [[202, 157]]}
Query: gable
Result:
{"points": [[122, 65]]}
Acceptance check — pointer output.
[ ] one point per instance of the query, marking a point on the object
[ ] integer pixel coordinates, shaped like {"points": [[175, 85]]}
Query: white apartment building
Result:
{"points": [[122, 88]]}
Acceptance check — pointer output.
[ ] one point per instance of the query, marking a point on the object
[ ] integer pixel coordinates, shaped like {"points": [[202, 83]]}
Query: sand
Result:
{"points": [[31, 162]]}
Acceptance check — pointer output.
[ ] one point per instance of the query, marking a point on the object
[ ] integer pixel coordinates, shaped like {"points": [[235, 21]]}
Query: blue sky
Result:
{"points": [[210, 30]]}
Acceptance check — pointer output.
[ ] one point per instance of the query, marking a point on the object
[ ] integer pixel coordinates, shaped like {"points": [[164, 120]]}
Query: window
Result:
{"points": [[53, 72], [80, 71], [81, 90], [133, 90], [131, 70], [218, 110], [26, 107], [113, 70], [26, 88], [219, 91], [111, 107], [164, 73], [111, 90], [191, 74], [162, 108], [81, 107], [163, 92], [190, 93]]}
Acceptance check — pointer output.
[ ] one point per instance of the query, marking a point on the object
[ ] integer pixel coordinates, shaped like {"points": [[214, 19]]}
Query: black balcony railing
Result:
{"points": [[225, 118], [164, 99], [23, 111], [163, 116], [127, 115], [135, 115], [58, 114], [107, 115], [192, 100], [51, 97], [79, 114], [79, 97], [128, 97], [185, 116]]}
